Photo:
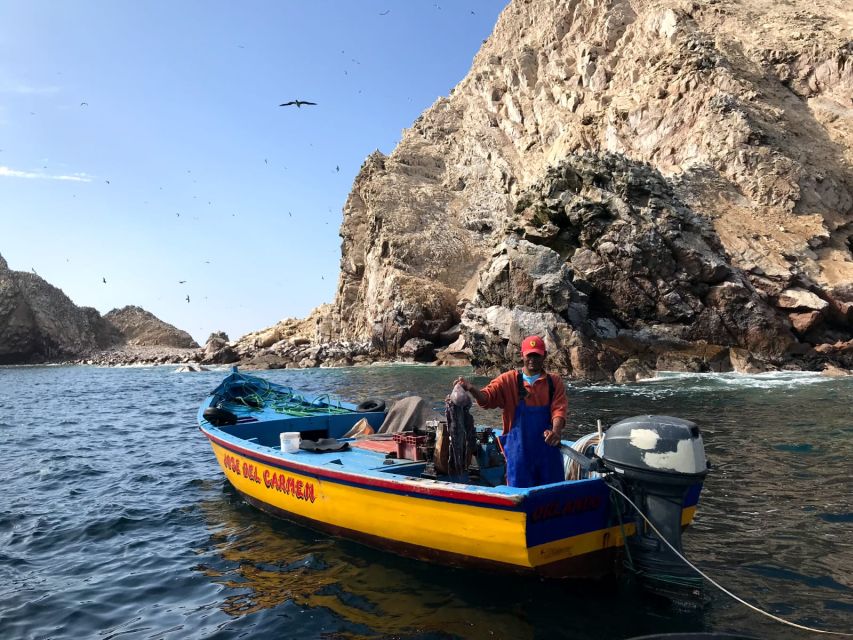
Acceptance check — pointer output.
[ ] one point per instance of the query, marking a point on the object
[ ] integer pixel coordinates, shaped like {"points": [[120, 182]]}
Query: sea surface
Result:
{"points": [[116, 522]]}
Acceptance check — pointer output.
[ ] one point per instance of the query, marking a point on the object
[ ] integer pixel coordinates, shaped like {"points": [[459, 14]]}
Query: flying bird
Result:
{"points": [[84, 104], [181, 281], [188, 299], [298, 103], [105, 280], [385, 13]]}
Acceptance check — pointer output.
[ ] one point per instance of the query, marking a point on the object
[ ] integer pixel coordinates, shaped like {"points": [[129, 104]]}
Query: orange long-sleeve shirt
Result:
{"points": [[502, 393]]}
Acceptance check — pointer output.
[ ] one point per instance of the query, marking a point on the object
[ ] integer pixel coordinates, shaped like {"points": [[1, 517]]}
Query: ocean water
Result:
{"points": [[116, 522]]}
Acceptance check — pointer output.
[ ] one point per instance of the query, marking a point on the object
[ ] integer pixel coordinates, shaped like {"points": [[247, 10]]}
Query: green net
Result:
{"points": [[243, 394]]}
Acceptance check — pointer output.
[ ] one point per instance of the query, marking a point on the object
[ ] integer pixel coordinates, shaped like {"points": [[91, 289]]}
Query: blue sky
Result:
{"points": [[142, 143]]}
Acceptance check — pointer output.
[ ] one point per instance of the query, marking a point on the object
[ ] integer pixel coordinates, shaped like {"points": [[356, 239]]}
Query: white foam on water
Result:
{"points": [[766, 380], [668, 383]]}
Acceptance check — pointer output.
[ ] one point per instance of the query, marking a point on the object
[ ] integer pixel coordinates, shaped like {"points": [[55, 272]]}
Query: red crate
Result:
{"points": [[408, 445]]}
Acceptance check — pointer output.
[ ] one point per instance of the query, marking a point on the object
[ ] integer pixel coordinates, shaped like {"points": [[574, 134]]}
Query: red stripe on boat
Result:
{"points": [[357, 479]]}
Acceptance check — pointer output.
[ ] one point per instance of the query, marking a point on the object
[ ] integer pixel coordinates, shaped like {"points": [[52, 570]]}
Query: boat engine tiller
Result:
{"points": [[657, 461]]}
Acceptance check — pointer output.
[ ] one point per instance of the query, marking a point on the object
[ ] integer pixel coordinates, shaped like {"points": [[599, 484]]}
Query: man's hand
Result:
{"points": [[470, 388], [552, 437]]}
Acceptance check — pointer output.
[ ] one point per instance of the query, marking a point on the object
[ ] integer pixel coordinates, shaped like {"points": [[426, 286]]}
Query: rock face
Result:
{"points": [[39, 323], [139, 327], [292, 343], [609, 265], [649, 183]]}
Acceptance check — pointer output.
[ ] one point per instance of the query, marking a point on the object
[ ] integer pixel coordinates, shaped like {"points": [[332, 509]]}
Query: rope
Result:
{"points": [[718, 585], [572, 469]]}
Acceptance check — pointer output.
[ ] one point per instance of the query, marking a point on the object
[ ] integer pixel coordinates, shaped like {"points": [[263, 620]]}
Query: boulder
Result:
{"points": [[418, 349], [801, 299], [836, 372], [632, 370], [217, 350], [805, 321]]}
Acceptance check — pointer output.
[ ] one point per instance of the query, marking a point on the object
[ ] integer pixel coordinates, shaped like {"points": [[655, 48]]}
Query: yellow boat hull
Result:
{"points": [[564, 532]]}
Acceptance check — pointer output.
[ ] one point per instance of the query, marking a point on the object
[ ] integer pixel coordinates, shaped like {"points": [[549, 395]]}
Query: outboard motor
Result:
{"points": [[659, 463]]}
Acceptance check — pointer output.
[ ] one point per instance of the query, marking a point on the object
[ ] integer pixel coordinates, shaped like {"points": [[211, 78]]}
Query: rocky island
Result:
{"points": [[649, 184], [39, 323]]}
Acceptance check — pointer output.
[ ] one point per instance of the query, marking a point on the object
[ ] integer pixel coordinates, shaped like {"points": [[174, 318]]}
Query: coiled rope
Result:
{"points": [[572, 469], [717, 584]]}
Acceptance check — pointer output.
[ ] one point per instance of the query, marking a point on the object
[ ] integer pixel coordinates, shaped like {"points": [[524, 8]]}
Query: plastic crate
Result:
{"points": [[409, 446]]}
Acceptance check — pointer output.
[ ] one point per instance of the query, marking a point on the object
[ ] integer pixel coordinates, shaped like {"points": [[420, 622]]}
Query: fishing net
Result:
{"points": [[243, 394]]}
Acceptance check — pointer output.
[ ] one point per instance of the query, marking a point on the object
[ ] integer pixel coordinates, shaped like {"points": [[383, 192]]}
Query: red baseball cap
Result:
{"points": [[532, 344]]}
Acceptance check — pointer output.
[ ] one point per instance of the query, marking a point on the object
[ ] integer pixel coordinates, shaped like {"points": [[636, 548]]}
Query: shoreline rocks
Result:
{"points": [[830, 360]]}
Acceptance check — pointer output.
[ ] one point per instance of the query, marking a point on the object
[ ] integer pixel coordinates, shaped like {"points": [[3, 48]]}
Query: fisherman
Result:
{"points": [[534, 413]]}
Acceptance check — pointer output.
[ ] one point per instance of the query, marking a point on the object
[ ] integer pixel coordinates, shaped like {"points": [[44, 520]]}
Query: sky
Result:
{"points": [[145, 160]]}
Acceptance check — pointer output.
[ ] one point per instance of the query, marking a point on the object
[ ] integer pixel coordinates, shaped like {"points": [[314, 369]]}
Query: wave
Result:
{"points": [[786, 377], [687, 381]]}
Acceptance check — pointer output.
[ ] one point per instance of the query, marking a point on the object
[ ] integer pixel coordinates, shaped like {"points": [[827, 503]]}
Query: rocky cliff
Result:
{"points": [[39, 323], [650, 183]]}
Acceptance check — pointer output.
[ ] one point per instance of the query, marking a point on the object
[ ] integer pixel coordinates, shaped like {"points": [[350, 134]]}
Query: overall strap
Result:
{"points": [[522, 392]]}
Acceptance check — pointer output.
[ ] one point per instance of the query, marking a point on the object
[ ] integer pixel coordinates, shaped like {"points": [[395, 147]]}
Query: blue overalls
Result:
{"points": [[530, 461]]}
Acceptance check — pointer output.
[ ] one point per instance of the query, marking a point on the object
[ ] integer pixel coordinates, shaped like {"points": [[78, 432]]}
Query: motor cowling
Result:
{"points": [[656, 461], [657, 448]]}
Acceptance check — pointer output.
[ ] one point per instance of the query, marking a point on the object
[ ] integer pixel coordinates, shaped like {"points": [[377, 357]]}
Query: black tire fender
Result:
{"points": [[371, 405], [219, 417]]}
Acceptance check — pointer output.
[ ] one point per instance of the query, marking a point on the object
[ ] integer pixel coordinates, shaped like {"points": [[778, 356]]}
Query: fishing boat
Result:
{"points": [[339, 467]]}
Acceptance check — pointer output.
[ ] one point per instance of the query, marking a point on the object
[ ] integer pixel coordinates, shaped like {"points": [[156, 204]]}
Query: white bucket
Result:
{"points": [[289, 441]]}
